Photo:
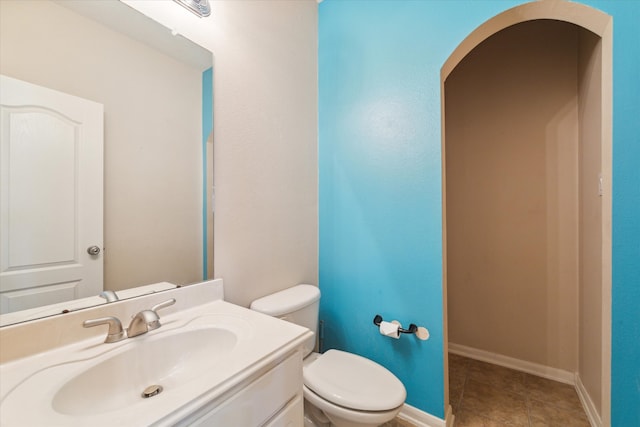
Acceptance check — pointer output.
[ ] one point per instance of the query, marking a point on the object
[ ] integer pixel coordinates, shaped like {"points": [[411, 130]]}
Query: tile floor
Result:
{"points": [[486, 395], [397, 422]]}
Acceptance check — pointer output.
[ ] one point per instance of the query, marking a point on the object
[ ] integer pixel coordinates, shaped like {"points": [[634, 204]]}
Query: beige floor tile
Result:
{"points": [[404, 423], [494, 403], [456, 381], [455, 395], [543, 414], [458, 365], [456, 387], [509, 379], [486, 395], [397, 422], [470, 419], [552, 392]]}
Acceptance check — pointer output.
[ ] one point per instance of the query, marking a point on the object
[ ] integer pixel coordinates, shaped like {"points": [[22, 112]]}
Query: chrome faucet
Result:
{"points": [[143, 322], [115, 333], [110, 296], [147, 320]]}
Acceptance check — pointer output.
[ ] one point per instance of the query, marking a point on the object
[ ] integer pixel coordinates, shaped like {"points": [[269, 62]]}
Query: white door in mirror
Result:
{"points": [[51, 180]]}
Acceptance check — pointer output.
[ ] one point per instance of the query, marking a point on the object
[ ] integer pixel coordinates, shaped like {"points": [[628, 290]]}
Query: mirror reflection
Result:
{"points": [[155, 89]]}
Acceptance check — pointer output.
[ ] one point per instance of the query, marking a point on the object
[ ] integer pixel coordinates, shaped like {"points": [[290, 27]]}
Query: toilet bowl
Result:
{"points": [[344, 417], [350, 390], [340, 389]]}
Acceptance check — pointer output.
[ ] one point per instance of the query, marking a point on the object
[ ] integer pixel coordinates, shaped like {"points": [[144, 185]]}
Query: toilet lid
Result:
{"points": [[354, 382]]}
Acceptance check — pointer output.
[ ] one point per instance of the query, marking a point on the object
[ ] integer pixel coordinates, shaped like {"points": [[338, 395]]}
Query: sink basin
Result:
{"points": [[168, 360], [199, 356]]}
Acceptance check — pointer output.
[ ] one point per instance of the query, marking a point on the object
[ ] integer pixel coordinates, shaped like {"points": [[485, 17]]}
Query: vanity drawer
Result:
{"points": [[261, 399]]}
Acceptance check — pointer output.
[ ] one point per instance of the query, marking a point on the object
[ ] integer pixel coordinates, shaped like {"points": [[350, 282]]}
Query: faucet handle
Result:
{"points": [[147, 320], [163, 304], [155, 323], [115, 333]]}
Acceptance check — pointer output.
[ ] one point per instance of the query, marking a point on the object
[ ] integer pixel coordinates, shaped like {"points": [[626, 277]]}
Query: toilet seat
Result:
{"points": [[353, 382]]}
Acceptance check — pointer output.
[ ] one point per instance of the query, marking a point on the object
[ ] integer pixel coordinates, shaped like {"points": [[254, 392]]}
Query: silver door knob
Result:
{"points": [[93, 250]]}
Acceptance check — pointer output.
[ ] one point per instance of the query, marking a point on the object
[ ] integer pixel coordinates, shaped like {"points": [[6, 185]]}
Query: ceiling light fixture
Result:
{"points": [[202, 8]]}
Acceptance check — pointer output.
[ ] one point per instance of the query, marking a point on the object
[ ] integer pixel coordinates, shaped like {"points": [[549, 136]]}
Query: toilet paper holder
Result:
{"points": [[413, 328]]}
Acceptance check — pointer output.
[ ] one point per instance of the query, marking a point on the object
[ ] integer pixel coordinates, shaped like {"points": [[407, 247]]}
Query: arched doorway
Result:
{"points": [[526, 219]]}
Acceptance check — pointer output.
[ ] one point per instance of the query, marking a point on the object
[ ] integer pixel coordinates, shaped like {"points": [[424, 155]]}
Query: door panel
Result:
{"points": [[51, 147]]}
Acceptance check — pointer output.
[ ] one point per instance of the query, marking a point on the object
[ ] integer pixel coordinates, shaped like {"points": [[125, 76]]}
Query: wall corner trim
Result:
{"points": [[449, 417], [587, 403]]}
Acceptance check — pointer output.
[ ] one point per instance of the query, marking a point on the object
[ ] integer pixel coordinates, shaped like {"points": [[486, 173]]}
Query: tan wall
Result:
{"points": [[589, 108], [511, 114], [152, 134]]}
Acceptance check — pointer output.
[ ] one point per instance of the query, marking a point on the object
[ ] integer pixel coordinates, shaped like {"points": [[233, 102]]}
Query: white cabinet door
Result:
{"points": [[51, 179], [291, 415], [274, 399]]}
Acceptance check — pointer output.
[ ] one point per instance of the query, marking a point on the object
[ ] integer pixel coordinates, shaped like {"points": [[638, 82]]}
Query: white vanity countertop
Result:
{"points": [[29, 385], [59, 308]]}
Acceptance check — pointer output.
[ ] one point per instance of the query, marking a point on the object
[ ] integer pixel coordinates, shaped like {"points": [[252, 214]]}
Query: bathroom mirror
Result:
{"points": [[156, 89]]}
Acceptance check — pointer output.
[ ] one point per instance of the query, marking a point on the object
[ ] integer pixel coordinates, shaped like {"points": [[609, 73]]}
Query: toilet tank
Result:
{"points": [[298, 304]]}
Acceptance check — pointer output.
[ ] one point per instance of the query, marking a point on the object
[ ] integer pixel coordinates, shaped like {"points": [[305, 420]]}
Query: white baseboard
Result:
{"points": [[587, 404], [420, 418], [555, 374]]}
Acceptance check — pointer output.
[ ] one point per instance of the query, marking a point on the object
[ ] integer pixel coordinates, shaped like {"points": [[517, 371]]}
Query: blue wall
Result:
{"points": [[625, 346], [207, 128], [380, 184]]}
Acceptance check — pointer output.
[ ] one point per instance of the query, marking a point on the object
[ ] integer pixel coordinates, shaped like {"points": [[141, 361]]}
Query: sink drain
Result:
{"points": [[151, 391]]}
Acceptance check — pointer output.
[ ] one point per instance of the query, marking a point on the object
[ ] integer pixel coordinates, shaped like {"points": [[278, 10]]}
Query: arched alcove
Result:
{"points": [[567, 157]]}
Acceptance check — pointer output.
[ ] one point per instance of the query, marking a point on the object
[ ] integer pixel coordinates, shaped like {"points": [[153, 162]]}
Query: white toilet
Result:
{"points": [[340, 389]]}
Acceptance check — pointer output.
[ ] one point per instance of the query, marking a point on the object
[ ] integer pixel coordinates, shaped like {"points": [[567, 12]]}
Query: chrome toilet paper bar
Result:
{"points": [[412, 327]]}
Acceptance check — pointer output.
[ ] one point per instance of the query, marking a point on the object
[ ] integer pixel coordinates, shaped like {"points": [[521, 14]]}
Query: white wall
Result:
{"points": [[265, 138], [265, 157]]}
